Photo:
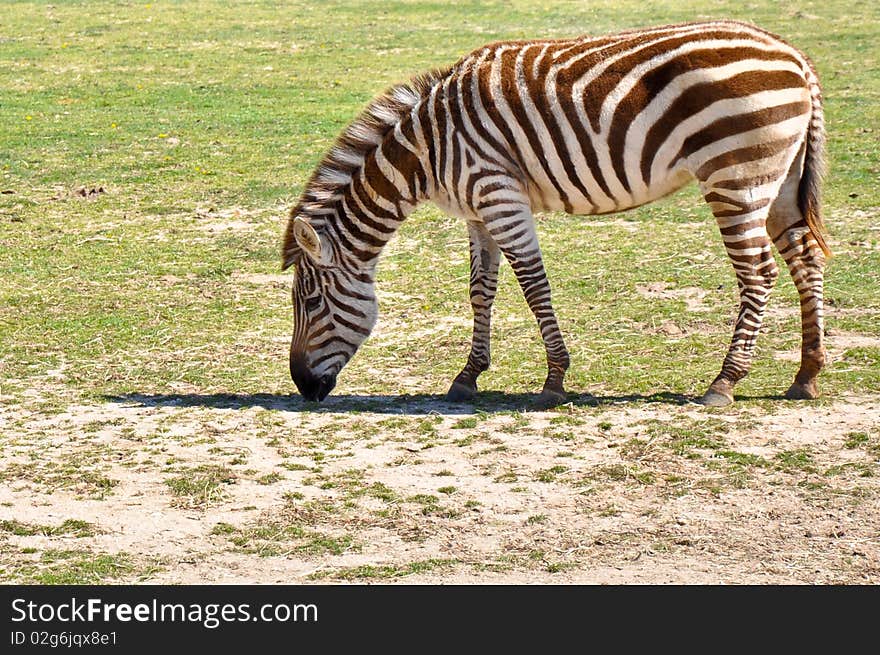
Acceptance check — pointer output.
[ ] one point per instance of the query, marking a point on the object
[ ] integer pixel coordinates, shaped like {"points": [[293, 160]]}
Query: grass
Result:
{"points": [[70, 527], [689, 436], [270, 538], [550, 474], [73, 473], [200, 485], [69, 567], [385, 572], [203, 139], [794, 460]]}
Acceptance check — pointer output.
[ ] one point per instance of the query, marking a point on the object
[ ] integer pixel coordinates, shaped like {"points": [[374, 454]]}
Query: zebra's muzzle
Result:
{"points": [[311, 387]]}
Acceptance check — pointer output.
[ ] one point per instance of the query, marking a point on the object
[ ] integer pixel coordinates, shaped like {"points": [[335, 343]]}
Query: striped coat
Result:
{"points": [[588, 126]]}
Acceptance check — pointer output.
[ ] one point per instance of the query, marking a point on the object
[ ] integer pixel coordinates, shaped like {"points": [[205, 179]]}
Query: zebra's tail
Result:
{"points": [[810, 189]]}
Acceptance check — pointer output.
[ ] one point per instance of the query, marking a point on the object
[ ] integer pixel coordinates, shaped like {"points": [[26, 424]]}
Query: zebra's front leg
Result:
{"points": [[485, 257], [516, 237], [756, 273]]}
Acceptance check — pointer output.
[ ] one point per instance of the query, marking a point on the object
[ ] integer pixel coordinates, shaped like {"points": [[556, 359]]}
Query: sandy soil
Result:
{"points": [[251, 489]]}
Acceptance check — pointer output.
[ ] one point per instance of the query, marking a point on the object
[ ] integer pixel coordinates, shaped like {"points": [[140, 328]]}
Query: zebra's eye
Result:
{"points": [[313, 303]]}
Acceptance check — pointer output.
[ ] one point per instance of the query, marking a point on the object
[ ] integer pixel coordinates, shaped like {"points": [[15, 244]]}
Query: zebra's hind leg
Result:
{"points": [[742, 220], [485, 257], [806, 262]]}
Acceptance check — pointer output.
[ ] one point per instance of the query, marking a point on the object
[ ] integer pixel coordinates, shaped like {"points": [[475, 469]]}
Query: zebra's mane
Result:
{"points": [[347, 155]]}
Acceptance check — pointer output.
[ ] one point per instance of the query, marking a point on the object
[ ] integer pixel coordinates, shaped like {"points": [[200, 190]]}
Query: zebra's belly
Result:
{"points": [[587, 197]]}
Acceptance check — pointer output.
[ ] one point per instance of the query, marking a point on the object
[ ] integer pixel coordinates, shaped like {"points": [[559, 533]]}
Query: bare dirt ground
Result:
{"points": [[196, 488]]}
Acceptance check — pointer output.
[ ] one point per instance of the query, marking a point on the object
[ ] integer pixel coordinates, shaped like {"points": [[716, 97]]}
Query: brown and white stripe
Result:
{"points": [[588, 125]]}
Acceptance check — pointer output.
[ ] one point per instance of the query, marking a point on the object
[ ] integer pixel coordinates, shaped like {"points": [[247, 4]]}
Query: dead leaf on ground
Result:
{"points": [[90, 193]]}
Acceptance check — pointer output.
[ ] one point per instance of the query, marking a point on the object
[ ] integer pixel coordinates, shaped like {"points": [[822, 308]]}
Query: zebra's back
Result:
{"points": [[601, 124]]}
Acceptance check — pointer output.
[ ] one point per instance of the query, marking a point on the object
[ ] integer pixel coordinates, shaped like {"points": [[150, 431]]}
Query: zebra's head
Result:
{"points": [[334, 311]]}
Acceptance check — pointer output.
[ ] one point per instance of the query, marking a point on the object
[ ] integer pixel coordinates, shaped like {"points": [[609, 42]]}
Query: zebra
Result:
{"points": [[589, 125]]}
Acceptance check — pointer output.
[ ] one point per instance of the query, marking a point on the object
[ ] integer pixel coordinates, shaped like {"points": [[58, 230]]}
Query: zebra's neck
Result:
{"points": [[379, 196], [379, 169]]}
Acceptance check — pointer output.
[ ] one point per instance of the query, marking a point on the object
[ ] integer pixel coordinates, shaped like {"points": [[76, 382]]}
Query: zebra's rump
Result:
{"points": [[596, 125]]}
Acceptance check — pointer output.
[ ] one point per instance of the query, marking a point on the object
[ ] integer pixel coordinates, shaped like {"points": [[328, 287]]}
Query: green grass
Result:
{"points": [[200, 485], [795, 460], [550, 474], [78, 567], [385, 572], [271, 538], [74, 473], [202, 121], [70, 527], [856, 439], [687, 437]]}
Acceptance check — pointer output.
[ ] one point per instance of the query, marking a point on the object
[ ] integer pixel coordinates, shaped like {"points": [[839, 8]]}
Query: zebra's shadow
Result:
{"points": [[415, 404]]}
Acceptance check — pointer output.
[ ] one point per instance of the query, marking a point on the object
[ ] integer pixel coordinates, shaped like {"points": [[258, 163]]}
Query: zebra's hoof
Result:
{"points": [[798, 391], [460, 393], [715, 399], [549, 398]]}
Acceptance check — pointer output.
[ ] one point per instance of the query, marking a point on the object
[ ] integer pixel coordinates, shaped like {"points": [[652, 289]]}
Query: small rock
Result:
{"points": [[669, 328]]}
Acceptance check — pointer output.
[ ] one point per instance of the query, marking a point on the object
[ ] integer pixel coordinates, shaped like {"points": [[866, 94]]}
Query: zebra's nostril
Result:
{"points": [[328, 381]]}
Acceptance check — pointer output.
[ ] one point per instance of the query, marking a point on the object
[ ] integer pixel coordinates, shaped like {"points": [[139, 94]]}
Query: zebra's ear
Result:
{"points": [[307, 239]]}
